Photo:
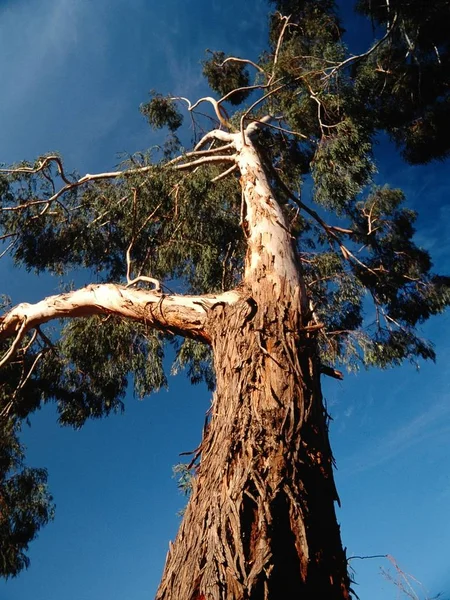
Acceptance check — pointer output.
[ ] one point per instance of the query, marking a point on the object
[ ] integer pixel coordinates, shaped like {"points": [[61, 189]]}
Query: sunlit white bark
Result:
{"points": [[185, 315]]}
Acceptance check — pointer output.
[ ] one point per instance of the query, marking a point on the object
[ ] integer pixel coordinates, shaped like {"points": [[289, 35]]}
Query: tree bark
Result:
{"points": [[184, 315], [260, 523]]}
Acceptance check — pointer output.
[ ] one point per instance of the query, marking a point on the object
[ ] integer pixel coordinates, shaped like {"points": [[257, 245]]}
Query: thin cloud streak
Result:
{"points": [[431, 423], [36, 42]]}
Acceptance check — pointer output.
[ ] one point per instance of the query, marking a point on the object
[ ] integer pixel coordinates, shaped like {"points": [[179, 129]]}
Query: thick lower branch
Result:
{"points": [[184, 315]]}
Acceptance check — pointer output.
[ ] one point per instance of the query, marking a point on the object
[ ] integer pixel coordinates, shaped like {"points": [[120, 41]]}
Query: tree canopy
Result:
{"points": [[175, 216]]}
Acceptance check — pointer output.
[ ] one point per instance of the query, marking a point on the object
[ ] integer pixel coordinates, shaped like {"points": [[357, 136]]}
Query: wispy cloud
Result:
{"points": [[36, 38], [432, 423]]}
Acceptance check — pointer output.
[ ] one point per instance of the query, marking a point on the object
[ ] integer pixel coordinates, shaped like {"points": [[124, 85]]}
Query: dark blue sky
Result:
{"points": [[73, 74]]}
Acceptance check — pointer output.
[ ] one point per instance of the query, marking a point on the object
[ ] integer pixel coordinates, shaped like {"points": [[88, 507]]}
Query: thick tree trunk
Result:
{"points": [[261, 522]]}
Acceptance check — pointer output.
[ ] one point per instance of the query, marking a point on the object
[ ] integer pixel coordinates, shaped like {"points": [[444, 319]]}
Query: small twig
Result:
{"points": [[225, 173], [13, 348], [246, 88], [30, 343], [8, 248], [35, 362], [288, 131], [367, 557], [134, 236], [365, 54], [130, 246], [330, 372]]}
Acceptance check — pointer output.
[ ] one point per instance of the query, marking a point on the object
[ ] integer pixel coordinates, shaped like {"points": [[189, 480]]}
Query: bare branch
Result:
{"points": [[241, 60], [88, 178], [364, 54], [245, 88], [279, 42], [367, 557], [216, 134], [330, 230], [9, 246], [41, 166], [206, 160], [184, 315], [225, 173], [221, 113], [72, 185], [145, 279], [195, 153], [14, 346], [278, 128], [134, 236]]}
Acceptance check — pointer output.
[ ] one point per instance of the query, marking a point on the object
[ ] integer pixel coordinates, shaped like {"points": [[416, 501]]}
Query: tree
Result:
{"points": [[276, 291]]}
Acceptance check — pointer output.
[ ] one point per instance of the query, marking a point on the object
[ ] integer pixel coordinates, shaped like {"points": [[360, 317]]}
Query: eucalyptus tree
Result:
{"points": [[290, 261]]}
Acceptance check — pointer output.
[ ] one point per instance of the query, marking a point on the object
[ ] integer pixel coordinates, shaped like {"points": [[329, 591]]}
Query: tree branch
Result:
{"points": [[364, 54], [183, 315], [241, 60], [221, 113], [204, 160]]}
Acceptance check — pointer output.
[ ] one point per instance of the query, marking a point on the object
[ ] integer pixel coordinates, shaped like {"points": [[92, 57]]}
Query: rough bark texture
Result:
{"points": [[261, 522]]}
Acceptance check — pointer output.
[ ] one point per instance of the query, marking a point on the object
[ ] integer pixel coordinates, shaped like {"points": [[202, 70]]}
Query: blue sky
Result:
{"points": [[73, 74]]}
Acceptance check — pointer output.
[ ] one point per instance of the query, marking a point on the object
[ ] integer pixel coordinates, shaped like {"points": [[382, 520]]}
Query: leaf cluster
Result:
{"points": [[405, 82], [161, 111], [25, 504]]}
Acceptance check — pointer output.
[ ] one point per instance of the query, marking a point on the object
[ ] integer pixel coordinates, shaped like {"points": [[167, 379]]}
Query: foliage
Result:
{"points": [[405, 81], [227, 78], [25, 503], [161, 111]]}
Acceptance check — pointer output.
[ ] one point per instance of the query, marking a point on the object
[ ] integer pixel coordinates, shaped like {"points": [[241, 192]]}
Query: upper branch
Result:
{"points": [[359, 57]]}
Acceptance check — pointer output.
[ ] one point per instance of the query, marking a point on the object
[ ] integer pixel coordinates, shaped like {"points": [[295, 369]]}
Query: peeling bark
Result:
{"points": [[261, 523]]}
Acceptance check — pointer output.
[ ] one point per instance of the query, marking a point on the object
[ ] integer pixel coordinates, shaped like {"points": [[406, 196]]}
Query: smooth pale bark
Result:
{"points": [[184, 315], [270, 251]]}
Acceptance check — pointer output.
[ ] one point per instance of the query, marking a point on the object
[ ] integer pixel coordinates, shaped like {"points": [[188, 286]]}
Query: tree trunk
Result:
{"points": [[261, 522]]}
